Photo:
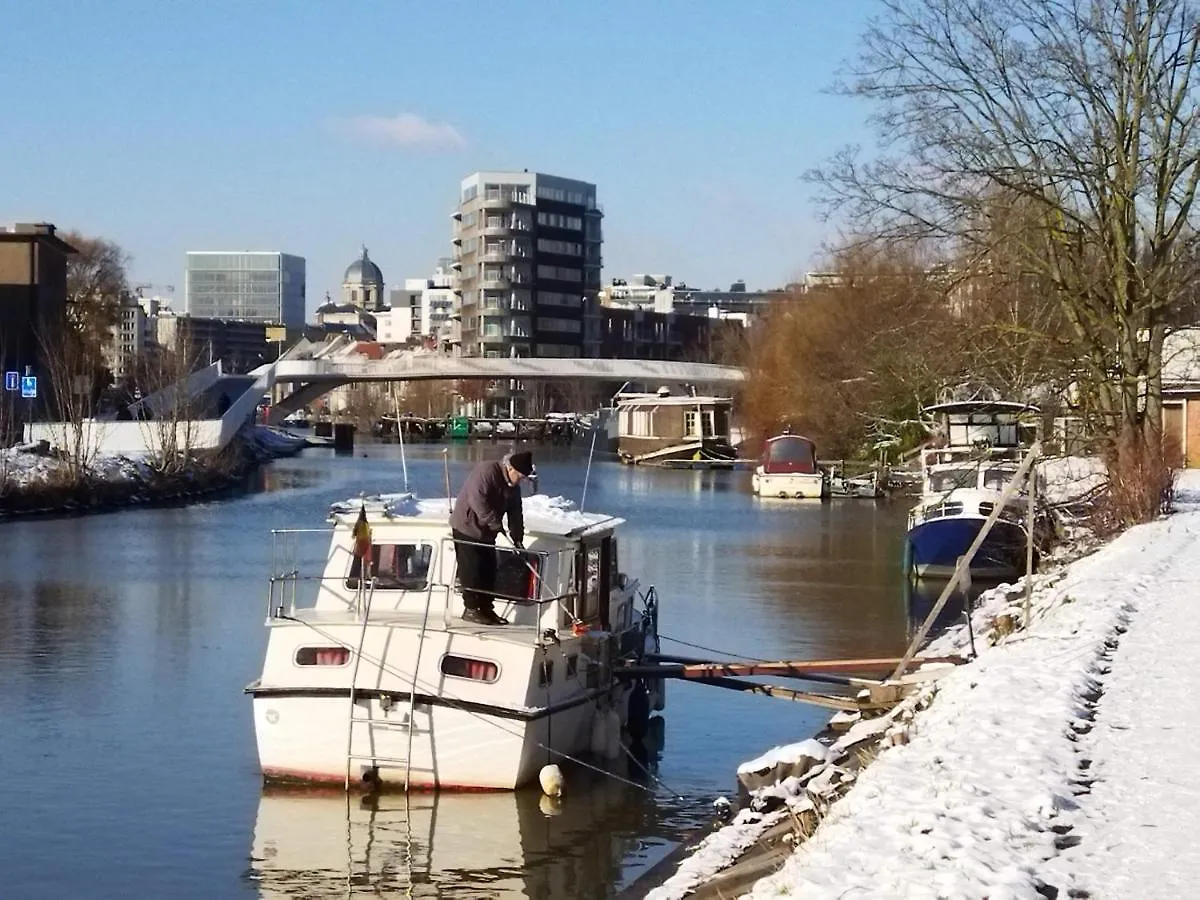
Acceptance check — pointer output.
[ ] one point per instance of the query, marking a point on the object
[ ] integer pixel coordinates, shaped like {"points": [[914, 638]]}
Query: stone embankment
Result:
{"points": [[35, 481]]}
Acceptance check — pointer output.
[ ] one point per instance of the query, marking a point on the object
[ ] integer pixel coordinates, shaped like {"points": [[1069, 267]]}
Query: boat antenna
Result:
{"points": [[400, 436], [446, 469], [588, 474]]}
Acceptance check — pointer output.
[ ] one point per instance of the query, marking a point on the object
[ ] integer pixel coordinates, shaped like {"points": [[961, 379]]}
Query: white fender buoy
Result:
{"points": [[599, 737], [612, 744], [551, 780], [550, 806]]}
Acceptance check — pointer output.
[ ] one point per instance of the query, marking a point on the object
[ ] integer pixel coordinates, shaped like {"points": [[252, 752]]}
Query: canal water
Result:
{"points": [[127, 759]]}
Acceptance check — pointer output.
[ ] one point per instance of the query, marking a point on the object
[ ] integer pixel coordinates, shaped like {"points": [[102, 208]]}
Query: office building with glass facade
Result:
{"points": [[256, 286]]}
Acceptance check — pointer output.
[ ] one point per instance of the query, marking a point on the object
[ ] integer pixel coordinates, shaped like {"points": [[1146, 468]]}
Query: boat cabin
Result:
{"points": [[981, 444], [789, 454], [658, 427], [567, 571]]}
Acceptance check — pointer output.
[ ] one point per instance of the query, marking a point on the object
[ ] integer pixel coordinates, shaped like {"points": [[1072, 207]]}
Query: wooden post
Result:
{"points": [[1029, 522], [964, 561]]}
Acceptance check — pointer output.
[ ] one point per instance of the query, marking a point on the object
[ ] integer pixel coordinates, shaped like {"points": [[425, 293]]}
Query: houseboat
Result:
{"points": [[378, 681], [789, 470], [658, 429], [962, 481]]}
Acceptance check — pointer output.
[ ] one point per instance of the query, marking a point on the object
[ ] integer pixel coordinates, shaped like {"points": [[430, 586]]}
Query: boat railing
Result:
{"points": [[984, 453], [286, 579], [540, 594]]}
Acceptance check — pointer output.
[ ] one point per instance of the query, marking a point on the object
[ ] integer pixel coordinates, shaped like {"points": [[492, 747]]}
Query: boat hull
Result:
{"points": [[794, 485], [934, 548], [306, 738]]}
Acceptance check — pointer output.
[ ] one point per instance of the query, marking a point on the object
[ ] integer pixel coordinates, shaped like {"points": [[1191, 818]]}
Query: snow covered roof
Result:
{"points": [[552, 516], [630, 401]]}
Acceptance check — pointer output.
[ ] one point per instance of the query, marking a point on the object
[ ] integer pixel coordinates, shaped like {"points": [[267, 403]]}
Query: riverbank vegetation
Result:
{"points": [[1027, 225]]}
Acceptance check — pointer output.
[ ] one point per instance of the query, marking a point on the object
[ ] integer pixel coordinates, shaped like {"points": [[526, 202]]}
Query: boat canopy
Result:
{"points": [[789, 453], [984, 423]]}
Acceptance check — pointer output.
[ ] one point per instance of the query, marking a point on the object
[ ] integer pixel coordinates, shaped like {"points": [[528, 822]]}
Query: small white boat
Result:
{"points": [[380, 681], [789, 470]]}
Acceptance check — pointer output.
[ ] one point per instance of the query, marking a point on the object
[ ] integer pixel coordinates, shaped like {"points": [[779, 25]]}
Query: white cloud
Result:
{"points": [[406, 130]]}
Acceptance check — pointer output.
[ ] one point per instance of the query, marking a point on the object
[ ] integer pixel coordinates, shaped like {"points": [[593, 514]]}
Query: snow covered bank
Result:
{"points": [[37, 482], [1057, 764]]}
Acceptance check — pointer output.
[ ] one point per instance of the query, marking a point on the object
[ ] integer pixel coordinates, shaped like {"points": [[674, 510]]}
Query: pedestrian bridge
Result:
{"points": [[312, 378]]}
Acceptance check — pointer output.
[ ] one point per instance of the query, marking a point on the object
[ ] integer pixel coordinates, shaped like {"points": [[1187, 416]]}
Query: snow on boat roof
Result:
{"points": [[547, 515], [631, 400], [982, 406]]}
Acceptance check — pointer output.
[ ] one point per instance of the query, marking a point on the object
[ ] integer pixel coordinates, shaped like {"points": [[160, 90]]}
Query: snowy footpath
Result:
{"points": [[1060, 763]]}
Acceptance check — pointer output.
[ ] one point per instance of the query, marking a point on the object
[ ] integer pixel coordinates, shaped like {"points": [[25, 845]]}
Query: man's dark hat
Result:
{"points": [[522, 461]]}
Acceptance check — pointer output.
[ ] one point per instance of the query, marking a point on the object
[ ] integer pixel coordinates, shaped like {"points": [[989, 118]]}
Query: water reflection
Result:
{"points": [[326, 844], [921, 596]]}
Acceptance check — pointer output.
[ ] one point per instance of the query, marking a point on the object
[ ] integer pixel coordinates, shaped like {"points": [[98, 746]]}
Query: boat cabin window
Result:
{"points": [[694, 421], [595, 577], [395, 567], [473, 669], [322, 656], [519, 575], [637, 422], [996, 477], [949, 479]]}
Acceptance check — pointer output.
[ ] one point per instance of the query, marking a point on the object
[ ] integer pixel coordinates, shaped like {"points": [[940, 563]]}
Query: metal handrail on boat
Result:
{"points": [[286, 576]]}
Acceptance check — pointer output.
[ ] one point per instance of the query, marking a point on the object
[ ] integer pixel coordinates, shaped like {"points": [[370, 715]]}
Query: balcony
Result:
{"points": [[505, 199]]}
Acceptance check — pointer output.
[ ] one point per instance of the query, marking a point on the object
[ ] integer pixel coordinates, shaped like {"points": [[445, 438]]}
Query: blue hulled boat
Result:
{"points": [[962, 483]]}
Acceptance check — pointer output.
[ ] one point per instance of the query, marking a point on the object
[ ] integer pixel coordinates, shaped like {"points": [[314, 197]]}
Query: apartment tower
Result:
{"points": [[527, 252]]}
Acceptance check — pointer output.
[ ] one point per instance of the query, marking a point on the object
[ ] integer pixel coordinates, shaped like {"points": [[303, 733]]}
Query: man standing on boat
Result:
{"points": [[491, 492]]}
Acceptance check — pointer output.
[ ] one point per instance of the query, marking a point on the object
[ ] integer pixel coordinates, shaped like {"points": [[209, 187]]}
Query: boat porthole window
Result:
{"points": [[395, 567], [546, 673], [572, 665], [472, 669], [322, 656]]}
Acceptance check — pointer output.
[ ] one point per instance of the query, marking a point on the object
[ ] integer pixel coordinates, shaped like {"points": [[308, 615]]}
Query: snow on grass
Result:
{"points": [[977, 802], [1068, 478], [22, 468], [717, 851]]}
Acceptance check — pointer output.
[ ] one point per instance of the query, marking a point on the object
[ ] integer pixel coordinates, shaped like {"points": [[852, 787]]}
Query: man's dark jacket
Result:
{"points": [[486, 497]]}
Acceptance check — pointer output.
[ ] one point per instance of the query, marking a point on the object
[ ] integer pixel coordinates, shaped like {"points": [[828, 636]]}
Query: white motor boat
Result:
{"points": [[963, 482], [380, 682]]}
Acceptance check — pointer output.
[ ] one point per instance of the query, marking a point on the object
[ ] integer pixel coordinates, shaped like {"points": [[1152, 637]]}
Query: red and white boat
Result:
{"points": [[789, 469]]}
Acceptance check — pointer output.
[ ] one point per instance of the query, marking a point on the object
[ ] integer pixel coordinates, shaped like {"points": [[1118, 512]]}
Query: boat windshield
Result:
{"points": [[945, 480], [793, 454], [996, 477]]}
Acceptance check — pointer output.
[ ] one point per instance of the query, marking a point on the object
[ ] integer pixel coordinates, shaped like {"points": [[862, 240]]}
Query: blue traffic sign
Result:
{"points": [[29, 386], [12, 381]]}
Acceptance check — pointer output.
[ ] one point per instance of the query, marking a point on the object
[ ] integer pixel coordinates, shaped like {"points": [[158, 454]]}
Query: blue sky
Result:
{"points": [[315, 127]]}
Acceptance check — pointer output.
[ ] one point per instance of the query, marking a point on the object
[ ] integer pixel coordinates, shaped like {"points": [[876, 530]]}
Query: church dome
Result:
{"points": [[363, 271]]}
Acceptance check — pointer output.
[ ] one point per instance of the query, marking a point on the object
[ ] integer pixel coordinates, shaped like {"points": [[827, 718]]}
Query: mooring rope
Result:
{"points": [[726, 653]]}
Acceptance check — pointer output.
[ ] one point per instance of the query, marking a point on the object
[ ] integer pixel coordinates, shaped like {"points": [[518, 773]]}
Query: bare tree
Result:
{"points": [[168, 414], [75, 380], [96, 281], [848, 362], [1084, 110]]}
